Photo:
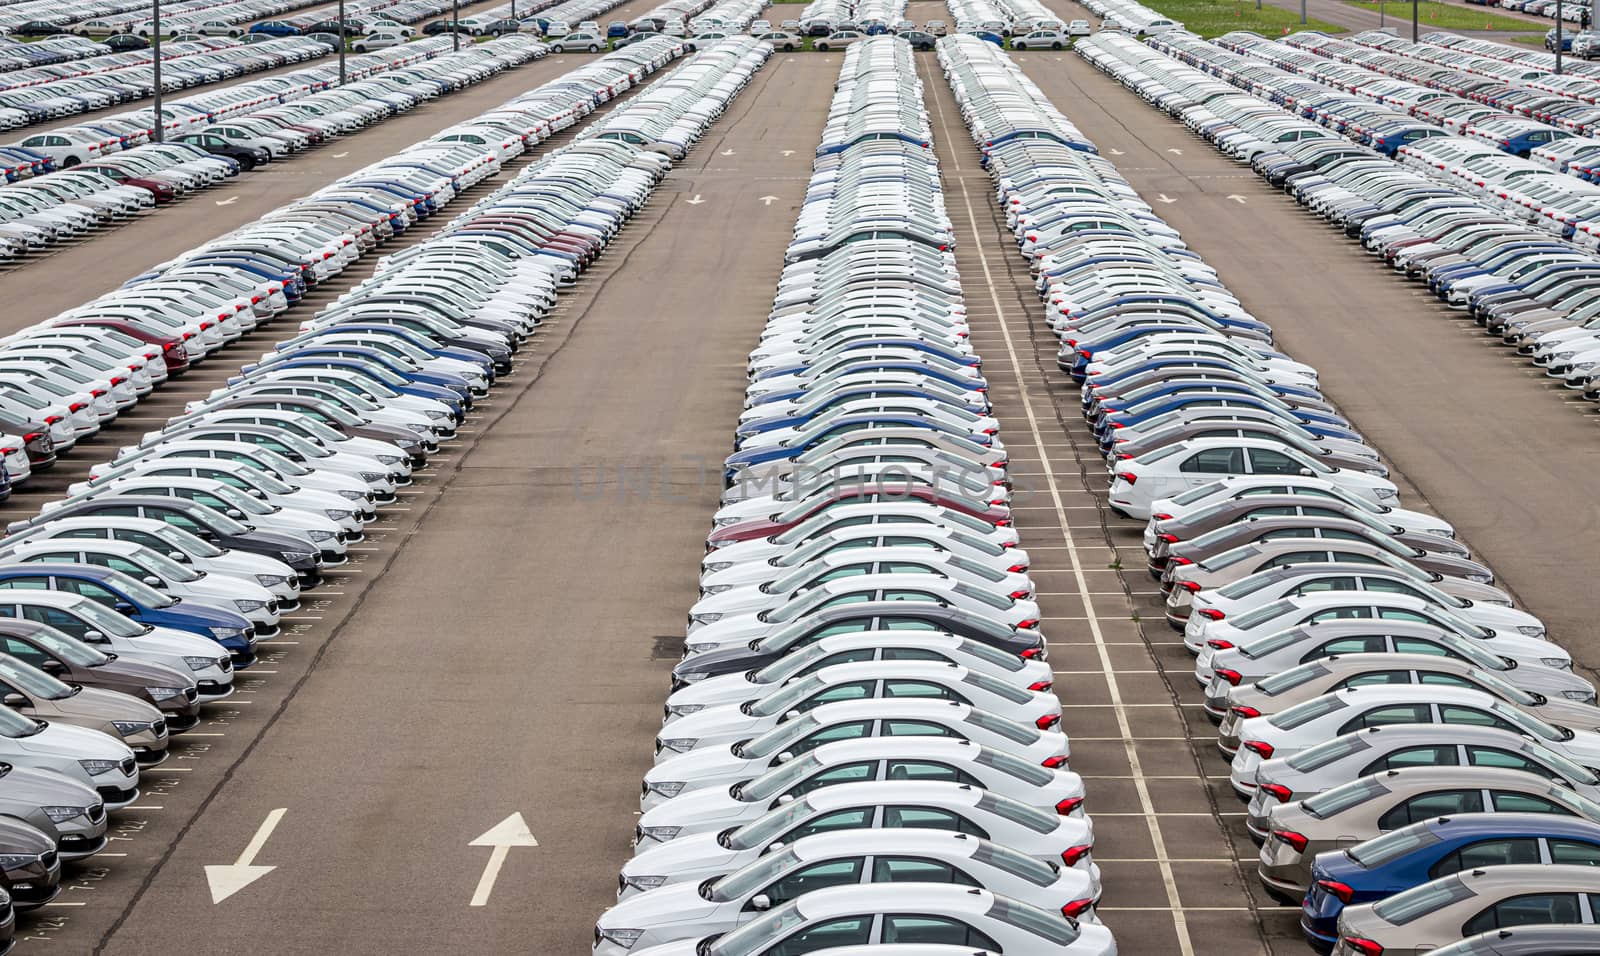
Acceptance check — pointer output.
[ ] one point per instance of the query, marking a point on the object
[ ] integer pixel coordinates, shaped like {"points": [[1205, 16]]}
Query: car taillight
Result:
{"points": [[1032, 653], [1073, 854], [1212, 614], [1055, 762], [1040, 686], [117, 380], [1020, 593], [1017, 568], [1277, 790], [76, 407], [1189, 586], [1261, 747], [1245, 711], [1076, 908], [1129, 477], [1068, 805], [1048, 722], [1030, 622], [1364, 946], [1160, 516], [9, 450], [1296, 840], [1084, 353], [1341, 891], [1179, 561], [1168, 538], [1231, 676]]}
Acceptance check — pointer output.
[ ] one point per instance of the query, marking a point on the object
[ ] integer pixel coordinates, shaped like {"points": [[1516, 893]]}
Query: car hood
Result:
{"points": [[707, 768], [698, 852], [66, 742], [678, 903], [19, 837], [107, 705], [722, 719], [701, 810], [44, 788], [126, 672]]}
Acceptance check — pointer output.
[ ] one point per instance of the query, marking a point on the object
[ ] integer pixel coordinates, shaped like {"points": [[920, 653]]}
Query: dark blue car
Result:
{"points": [[1413, 855], [140, 602], [769, 423]]}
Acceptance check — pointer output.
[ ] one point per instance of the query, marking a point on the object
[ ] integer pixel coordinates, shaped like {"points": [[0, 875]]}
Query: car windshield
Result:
{"points": [[13, 724], [1498, 686], [1391, 846], [1333, 802], [758, 935], [741, 883], [32, 681], [787, 696], [771, 825], [164, 566], [1415, 903], [1529, 725], [779, 737], [779, 779], [789, 664], [189, 544], [105, 620], [233, 498]]}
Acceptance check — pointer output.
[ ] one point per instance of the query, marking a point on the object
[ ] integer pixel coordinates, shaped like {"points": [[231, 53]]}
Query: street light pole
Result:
{"points": [[455, 24], [1558, 36], [1302, 11], [157, 131], [1416, 7], [341, 42], [1381, 20]]}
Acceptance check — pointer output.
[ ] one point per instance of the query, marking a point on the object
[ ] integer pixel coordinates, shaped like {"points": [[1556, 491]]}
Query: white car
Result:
{"points": [[854, 761], [1345, 711], [1240, 486], [1078, 28], [975, 919], [930, 541], [878, 515], [844, 858], [1174, 469], [380, 39], [1041, 40], [78, 753]]}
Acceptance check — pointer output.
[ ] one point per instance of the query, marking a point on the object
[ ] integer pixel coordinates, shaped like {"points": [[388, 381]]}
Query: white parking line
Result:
{"points": [[1119, 707]]}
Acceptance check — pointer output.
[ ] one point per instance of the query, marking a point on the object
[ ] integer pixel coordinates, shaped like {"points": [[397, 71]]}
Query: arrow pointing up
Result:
{"points": [[788, 152], [1236, 198], [228, 202], [228, 880], [340, 155], [695, 201], [510, 832], [1175, 152], [726, 152], [1117, 152], [768, 200], [1163, 197]]}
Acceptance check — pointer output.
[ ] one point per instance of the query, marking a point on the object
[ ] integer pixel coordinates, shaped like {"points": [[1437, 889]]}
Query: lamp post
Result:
{"points": [[341, 42], [1416, 5], [1558, 36], [455, 24], [157, 131]]}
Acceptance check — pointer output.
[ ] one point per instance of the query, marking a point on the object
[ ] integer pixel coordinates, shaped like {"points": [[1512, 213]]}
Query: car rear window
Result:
{"points": [[1326, 753], [1301, 714], [1392, 845], [1291, 678], [1418, 902], [1341, 798]]}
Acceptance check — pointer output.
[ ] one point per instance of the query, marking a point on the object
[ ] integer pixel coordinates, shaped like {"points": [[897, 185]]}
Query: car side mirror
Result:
{"points": [[760, 901], [178, 556], [786, 756], [153, 581], [256, 493], [235, 514], [123, 607], [1307, 473], [786, 799], [93, 637], [16, 700], [791, 715], [776, 847]]}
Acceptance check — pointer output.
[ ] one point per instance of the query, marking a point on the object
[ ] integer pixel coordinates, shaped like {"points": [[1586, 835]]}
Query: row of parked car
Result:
{"points": [[28, 97], [43, 18], [110, 172], [1131, 16], [1417, 755], [861, 747], [1511, 241], [17, 54], [128, 606]]}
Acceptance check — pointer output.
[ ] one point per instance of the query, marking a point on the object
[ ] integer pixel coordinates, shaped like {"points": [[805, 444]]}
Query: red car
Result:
{"points": [[781, 521], [173, 353], [163, 192]]}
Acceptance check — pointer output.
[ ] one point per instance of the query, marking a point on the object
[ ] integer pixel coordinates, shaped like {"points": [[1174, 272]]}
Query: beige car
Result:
{"points": [[1465, 904], [1369, 806], [839, 40], [1313, 679], [33, 693]]}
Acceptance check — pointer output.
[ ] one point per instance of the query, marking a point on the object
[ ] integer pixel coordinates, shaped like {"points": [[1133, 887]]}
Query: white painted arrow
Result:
{"points": [[341, 155], [1177, 152], [228, 880], [726, 152], [695, 201], [510, 832], [1117, 152], [1237, 198], [1163, 197], [768, 200], [788, 152], [228, 202]]}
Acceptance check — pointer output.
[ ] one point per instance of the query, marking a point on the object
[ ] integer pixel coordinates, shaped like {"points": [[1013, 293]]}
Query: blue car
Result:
{"points": [[1413, 855], [769, 423], [847, 425], [140, 602], [276, 28], [410, 338]]}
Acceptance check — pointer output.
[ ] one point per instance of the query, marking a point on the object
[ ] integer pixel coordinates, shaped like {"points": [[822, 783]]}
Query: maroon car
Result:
{"points": [[163, 192], [173, 353], [781, 521]]}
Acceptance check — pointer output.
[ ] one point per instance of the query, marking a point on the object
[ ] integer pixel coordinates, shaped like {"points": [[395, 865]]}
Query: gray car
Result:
{"points": [[49, 801], [33, 693], [1378, 803], [1576, 939]]}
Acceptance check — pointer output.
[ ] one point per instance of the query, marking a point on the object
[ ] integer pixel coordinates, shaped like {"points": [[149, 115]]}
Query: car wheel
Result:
{"points": [[1055, 46], [822, 48], [69, 162], [1019, 46], [788, 48]]}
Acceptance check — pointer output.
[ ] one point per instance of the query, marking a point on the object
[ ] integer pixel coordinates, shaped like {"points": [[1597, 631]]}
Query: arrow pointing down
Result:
{"points": [[695, 201], [228, 202], [510, 832], [1236, 198], [726, 152], [1163, 197], [1175, 152], [768, 200], [228, 880]]}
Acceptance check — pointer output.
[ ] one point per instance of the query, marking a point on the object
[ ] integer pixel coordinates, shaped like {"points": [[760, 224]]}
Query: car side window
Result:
{"points": [[1439, 756], [927, 770], [1386, 586], [1401, 614], [1215, 461], [1574, 852], [59, 620], [1294, 557], [1374, 677], [928, 928], [1369, 644], [913, 869], [918, 688], [41, 583], [844, 931], [1534, 909], [1509, 801], [1472, 716], [844, 773], [929, 818], [1487, 853], [1426, 806], [1417, 645], [851, 819], [1383, 716], [827, 735], [1316, 585], [1349, 613], [911, 654], [1495, 757], [26, 652], [1436, 679], [1265, 461], [814, 877], [854, 690], [90, 590]]}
